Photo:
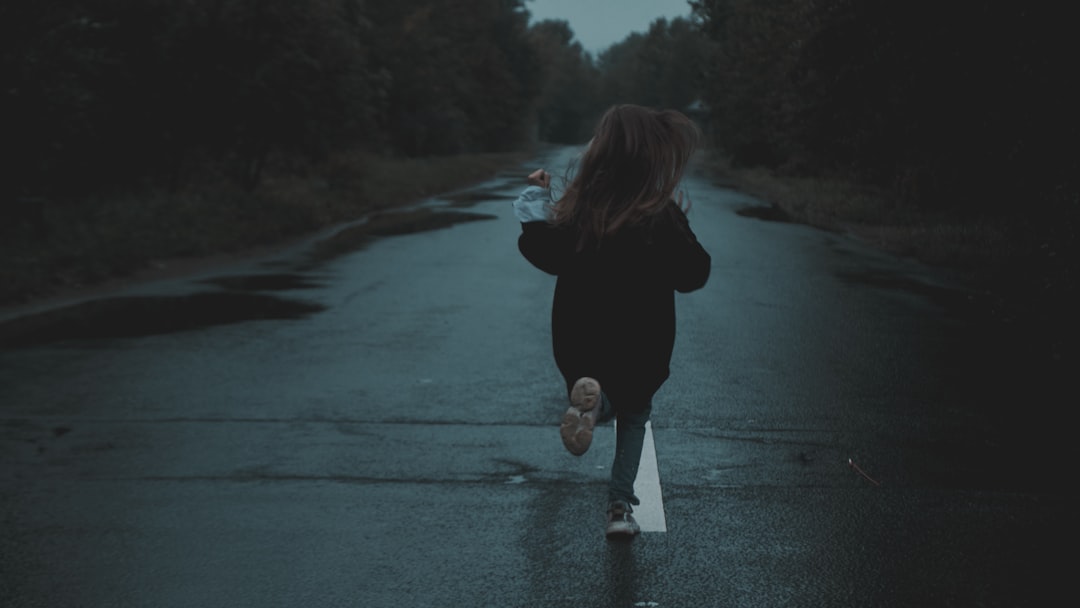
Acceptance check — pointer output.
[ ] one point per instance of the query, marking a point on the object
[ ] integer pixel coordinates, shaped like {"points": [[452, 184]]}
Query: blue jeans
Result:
{"points": [[629, 439]]}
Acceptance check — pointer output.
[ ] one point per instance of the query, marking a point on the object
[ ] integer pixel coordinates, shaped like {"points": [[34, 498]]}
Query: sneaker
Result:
{"points": [[620, 522], [577, 424]]}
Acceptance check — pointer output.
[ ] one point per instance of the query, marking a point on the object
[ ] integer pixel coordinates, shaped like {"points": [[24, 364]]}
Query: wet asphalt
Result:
{"points": [[370, 419]]}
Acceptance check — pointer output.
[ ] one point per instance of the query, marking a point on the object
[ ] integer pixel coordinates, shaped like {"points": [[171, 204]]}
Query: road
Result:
{"points": [[379, 428]]}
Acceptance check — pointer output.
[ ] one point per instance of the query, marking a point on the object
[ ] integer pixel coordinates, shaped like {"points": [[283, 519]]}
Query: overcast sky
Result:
{"points": [[598, 24]]}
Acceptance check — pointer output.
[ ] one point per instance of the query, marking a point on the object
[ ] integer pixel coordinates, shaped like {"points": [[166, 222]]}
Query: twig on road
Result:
{"points": [[851, 463]]}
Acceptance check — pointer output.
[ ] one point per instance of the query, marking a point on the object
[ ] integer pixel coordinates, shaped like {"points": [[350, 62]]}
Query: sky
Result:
{"points": [[598, 24]]}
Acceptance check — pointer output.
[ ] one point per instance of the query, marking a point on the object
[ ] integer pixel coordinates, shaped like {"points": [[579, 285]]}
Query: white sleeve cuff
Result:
{"points": [[533, 205]]}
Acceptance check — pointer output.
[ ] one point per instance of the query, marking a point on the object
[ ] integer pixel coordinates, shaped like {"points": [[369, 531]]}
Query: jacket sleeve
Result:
{"points": [[548, 248], [533, 205], [689, 264]]}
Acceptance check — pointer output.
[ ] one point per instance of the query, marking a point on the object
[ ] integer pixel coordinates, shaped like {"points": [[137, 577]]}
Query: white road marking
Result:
{"points": [[650, 513]]}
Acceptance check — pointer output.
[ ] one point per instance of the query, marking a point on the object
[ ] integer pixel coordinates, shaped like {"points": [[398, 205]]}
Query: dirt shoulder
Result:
{"points": [[78, 251]]}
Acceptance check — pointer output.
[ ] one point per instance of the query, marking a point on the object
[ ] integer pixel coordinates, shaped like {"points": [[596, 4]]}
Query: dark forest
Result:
{"points": [[137, 128]]}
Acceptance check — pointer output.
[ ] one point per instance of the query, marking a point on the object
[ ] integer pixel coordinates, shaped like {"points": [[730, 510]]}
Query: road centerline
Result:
{"points": [[650, 513]]}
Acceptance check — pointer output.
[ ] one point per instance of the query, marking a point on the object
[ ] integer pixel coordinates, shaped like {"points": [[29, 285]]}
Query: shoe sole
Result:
{"points": [[622, 531], [576, 428]]}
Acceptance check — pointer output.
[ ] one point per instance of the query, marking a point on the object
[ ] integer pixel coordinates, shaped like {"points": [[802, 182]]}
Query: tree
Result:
{"points": [[661, 68], [750, 79], [460, 74], [566, 105], [106, 93]]}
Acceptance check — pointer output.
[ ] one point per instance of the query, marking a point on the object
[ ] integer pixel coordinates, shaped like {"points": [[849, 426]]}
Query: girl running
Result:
{"points": [[621, 246]]}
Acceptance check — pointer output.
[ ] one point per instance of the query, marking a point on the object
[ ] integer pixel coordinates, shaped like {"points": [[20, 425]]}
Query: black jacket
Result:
{"points": [[613, 316]]}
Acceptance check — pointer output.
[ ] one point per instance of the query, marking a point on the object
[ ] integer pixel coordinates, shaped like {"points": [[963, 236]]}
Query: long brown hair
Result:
{"points": [[629, 171]]}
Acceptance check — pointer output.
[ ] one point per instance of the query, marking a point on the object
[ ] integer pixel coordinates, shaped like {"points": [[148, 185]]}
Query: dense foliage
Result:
{"points": [[967, 105], [100, 93]]}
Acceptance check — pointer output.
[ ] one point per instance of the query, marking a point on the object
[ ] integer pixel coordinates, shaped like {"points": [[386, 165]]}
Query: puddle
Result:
{"points": [[420, 220], [264, 282], [473, 197], [770, 213], [135, 316], [390, 224]]}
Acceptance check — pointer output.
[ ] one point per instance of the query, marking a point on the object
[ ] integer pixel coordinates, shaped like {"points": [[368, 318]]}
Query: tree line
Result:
{"points": [[962, 104], [103, 92], [140, 130]]}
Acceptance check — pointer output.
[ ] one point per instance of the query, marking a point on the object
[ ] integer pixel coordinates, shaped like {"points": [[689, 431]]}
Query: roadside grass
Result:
{"points": [[84, 243], [975, 247], [1019, 270]]}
